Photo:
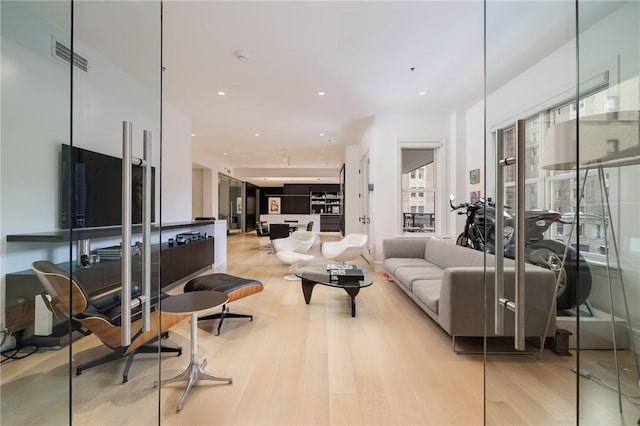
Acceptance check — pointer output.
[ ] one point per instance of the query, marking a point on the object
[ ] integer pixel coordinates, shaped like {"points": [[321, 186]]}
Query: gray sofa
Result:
{"points": [[447, 282]]}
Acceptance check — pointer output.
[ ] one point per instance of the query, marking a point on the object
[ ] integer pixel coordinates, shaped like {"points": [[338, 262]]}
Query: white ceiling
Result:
{"points": [[359, 53]]}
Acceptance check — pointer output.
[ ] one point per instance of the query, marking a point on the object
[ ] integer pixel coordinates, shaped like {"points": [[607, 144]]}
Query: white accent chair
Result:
{"points": [[348, 248], [298, 241], [293, 258]]}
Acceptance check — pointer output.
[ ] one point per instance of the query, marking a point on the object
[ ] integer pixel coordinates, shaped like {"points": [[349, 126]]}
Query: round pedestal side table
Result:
{"points": [[193, 303]]}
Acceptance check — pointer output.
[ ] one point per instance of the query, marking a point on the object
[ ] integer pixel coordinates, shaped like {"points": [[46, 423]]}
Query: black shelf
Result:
{"points": [[67, 235]]}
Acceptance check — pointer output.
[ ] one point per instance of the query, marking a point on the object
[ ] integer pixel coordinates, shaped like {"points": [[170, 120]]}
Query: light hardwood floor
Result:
{"points": [[298, 364]]}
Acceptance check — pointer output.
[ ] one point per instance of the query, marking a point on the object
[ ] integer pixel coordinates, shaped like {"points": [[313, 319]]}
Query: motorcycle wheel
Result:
{"points": [[464, 241], [571, 291]]}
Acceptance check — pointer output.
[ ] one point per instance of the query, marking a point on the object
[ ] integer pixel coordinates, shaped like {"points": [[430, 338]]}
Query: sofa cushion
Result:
{"points": [[447, 254], [409, 274], [394, 263], [428, 292]]}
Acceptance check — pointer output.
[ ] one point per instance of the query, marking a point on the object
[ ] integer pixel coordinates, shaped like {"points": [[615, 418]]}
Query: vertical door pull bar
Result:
{"points": [[499, 232], [520, 236], [146, 232], [501, 303], [125, 272]]}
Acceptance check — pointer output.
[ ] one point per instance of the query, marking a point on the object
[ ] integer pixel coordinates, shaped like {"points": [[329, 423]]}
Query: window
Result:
{"points": [[560, 190], [418, 197]]}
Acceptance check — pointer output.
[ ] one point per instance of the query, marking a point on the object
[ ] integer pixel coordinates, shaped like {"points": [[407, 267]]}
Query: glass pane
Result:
{"points": [[608, 231], [519, 381], [121, 43], [35, 372]]}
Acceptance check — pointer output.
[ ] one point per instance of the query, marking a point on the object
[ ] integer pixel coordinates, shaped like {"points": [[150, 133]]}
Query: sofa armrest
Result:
{"points": [[461, 309], [461, 304], [404, 247]]}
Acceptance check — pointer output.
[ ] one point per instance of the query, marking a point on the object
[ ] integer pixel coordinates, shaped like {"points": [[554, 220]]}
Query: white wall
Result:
{"points": [[176, 165], [35, 122], [474, 159], [352, 190], [196, 192], [207, 161], [389, 130]]}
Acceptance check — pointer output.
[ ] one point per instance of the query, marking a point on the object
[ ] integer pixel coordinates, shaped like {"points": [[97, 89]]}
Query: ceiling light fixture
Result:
{"points": [[321, 134], [257, 134], [243, 55], [320, 93], [422, 93], [221, 93], [193, 134]]}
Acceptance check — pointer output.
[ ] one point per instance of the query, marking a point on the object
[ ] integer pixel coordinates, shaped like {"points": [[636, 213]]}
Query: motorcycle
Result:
{"points": [[479, 234]]}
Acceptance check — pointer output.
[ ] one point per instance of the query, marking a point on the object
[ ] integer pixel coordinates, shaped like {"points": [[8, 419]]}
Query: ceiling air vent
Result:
{"points": [[63, 53]]}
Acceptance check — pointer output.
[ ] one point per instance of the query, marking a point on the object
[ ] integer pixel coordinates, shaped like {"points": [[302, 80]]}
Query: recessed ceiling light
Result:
{"points": [[224, 153], [320, 93], [193, 134], [422, 93], [257, 134], [321, 134], [221, 93]]}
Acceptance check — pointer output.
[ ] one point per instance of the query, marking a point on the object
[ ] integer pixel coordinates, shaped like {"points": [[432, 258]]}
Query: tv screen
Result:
{"points": [[91, 190]]}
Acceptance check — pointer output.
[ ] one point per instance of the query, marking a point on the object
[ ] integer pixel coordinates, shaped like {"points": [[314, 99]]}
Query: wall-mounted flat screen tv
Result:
{"points": [[91, 190]]}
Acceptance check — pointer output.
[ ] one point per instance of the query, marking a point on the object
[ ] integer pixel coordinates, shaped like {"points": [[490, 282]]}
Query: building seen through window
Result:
{"points": [[559, 189], [418, 190]]}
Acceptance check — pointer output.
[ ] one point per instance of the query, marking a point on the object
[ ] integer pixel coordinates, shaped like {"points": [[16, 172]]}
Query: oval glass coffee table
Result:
{"points": [[320, 274], [193, 302]]}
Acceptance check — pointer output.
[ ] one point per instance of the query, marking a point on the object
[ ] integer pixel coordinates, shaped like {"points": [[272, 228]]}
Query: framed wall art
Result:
{"points": [[274, 205], [474, 176]]}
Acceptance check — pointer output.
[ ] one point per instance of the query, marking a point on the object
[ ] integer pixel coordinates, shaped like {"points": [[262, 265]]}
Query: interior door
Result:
{"points": [[365, 193], [526, 381]]}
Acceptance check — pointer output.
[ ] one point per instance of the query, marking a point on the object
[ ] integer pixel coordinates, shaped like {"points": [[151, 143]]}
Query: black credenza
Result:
{"points": [[176, 263]]}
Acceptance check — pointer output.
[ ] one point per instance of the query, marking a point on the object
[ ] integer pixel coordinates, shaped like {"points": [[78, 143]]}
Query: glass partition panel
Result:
{"points": [[530, 68], [116, 134], [36, 81], [608, 219], [230, 203]]}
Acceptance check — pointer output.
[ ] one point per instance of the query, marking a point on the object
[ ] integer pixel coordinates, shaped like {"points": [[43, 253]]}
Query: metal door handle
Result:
{"points": [[127, 161], [146, 232], [499, 230], [516, 306], [125, 271]]}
